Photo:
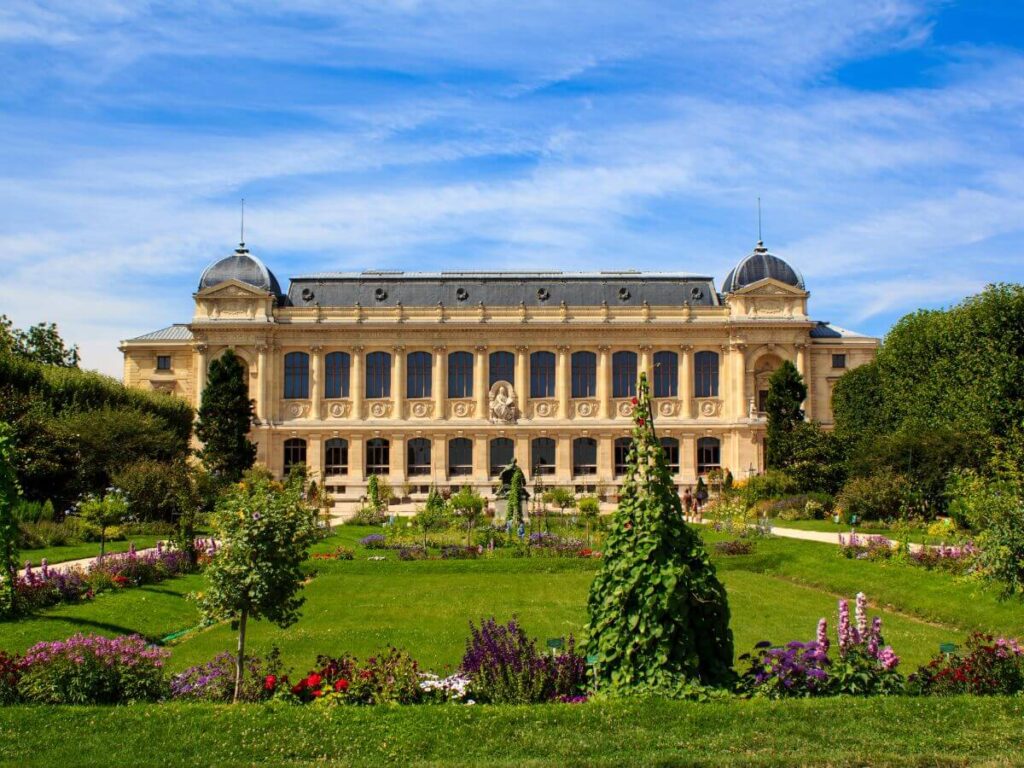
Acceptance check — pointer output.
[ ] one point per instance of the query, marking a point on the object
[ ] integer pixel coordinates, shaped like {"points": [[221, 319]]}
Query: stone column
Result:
{"points": [[480, 381], [262, 362], [440, 383], [688, 459], [563, 459], [803, 365], [562, 382], [724, 379], [397, 463], [316, 381], [357, 385], [604, 382], [521, 451], [481, 463], [646, 365], [202, 366], [356, 458], [739, 381], [439, 458], [315, 458], [686, 380], [605, 459], [398, 383], [522, 379]]}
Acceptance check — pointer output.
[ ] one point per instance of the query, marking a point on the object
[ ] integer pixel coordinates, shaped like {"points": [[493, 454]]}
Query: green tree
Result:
{"points": [[468, 505], [225, 418], [516, 495], [589, 506], [265, 530], [9, 492], [786, 394], [41, 343], [373, 493], [433, 516], [104, 511], [658, 615], [561, 497]]}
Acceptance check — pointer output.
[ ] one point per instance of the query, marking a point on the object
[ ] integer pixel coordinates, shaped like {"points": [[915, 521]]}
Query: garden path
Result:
{"points": [[85, 562]]}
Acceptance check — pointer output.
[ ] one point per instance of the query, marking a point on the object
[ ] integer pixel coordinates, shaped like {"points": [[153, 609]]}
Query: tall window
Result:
{"points": [[624, 374], [705, 374], [460, 374], [542, 374], [622, 446], [296, 375], [460, 456], [378, 456], [709, 454], [670, 447], [336, 457], [418, 450], [294, 453], [502, 451], [163, 362], [584, 374], [666, 374], [378, 374], [542, 456], [417, 375], [503, 368], [584, 456], [336, 366]]}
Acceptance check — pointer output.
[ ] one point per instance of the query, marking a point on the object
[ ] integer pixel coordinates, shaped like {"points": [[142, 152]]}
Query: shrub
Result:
{"points": [[856, 547], [505, 667], [795, 670], [735, 547], [773, 484], [588, 506], [214, 681], [391, 677], [153, 487], [456, 552], [339, 553], [89, 669], [374, 541], [987, 666], [412, 552], [367, 515], [331, 679], [885, 494], [10, 677]]}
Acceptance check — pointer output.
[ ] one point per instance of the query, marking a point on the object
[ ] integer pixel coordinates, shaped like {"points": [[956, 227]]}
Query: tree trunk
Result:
{"points": [[240, 659], [103, 540]]}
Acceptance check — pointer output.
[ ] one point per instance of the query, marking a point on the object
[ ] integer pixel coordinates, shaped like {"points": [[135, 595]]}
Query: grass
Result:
{"points": [[832, 732], [81, 551]]}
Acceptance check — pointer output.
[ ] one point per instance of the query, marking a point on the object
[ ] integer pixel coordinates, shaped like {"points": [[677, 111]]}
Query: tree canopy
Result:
{"points": [[225, 418]]}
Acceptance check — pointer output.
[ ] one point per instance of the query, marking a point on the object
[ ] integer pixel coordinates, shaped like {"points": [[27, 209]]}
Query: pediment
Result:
{"points": [[231, 289], [769, 286]]}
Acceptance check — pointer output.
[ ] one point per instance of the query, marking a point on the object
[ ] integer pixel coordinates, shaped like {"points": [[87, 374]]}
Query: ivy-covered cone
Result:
{"points": [[659, 616]]}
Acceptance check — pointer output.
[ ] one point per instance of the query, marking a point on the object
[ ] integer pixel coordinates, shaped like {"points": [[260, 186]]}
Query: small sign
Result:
{"points": [[947, 648], [555, 642], [592, 659]]}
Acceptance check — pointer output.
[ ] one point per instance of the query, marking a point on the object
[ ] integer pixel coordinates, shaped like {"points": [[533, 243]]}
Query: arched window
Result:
{"points": [[502, 451], [417, 374], [294, 453], [378, 374], [584, 456], [670, 447], [503, 368], [584, 374], [378, 456], [666, 374], [418, 452], [705, 374], [460, 456], [542, 374], [460, 374], [624, 374], [296, 375], [335, 457], [336, 366], [622, 446], [709, 454], [542, 456]]}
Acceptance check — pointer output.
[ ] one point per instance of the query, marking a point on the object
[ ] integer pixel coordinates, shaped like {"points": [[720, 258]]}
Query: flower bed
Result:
{"points": [[953, 558]]}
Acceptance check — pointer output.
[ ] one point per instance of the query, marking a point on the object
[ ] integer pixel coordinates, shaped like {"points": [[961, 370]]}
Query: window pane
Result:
{"points": [[622, 446], [670, 446], [584, 374], [336, 457], [460, 374], [418, 374], [418, 450], [378, 456], [460, 456], [294, 453], [503, 368], [336, 366], [624, 374], [838, 361], [378, 374], [584, 456], [502, 451], [296, 375], [705, 374], [666, 374], [542, 456], [163, 362], [542, 374], [708, 454]]}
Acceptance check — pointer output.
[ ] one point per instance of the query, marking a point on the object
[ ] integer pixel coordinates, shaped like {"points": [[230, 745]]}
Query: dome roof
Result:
{"points": [[759, 265], [242, 266]]}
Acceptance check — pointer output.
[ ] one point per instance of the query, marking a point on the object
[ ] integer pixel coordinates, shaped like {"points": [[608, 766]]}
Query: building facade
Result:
{"points": [[441, 378]]}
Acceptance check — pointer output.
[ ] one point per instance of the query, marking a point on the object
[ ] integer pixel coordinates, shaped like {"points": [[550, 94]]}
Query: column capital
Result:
{"points": [[604, 348], [358, 348], [522, 348], [563, 347], [480, 347], [440, 348], [686, 347], [398, 348], [317, 348], [645, 347]]}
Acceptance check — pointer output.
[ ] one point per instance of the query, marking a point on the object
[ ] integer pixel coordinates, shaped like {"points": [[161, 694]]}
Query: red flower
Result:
{"points": [[269, 682], [641, 422], [628, 526], [299, 687], [341, 685], [313, 680], [317, 693], [634, 401]]}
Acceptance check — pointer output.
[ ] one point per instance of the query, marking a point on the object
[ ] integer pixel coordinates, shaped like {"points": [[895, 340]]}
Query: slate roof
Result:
{"points": [[759, 265], [501, 289], [825, 330], [176, 332], [242, 266]]}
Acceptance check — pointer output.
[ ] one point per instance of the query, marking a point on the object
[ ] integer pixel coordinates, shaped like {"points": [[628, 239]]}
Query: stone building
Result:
{"points": [[443, 377]]}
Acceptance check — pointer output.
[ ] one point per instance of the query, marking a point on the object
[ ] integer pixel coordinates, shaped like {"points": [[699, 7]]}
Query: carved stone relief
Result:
{"points": [[501, 403], [380, 408], [585, 409], [339, 410]]}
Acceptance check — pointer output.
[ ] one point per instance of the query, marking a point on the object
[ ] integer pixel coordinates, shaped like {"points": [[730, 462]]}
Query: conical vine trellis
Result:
{"points": [[659, 616]]}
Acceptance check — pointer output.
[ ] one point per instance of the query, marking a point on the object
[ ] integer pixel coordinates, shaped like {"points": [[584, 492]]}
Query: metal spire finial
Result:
{"points": [[241, 239], [760, 240]]}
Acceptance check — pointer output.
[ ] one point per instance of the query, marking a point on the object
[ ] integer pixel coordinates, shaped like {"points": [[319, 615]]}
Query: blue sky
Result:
{"points": [[883, 136]]}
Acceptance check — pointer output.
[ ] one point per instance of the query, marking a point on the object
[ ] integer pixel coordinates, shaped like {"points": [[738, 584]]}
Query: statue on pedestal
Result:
{"points": [[511, 494]]}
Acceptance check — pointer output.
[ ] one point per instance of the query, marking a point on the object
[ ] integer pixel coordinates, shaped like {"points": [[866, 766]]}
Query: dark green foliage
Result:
{"points": [[225, 418], [883, 495], [659, 617], [857, 403], [786, 394], [154, 488], [9, 493], [514, 511], [41, 343], [814, 458]]}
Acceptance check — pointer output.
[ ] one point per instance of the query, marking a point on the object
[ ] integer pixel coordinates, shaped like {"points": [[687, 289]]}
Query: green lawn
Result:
{"points": [[827, 526], [82, 551], [831, 732]]}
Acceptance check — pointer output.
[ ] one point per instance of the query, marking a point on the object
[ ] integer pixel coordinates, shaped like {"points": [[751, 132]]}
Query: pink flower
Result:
{"points": [[862, 617], [823, 643], [845, 631]]}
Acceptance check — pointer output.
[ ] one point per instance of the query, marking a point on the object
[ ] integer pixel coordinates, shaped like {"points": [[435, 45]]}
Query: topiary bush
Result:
{"points": [[658, 615]]}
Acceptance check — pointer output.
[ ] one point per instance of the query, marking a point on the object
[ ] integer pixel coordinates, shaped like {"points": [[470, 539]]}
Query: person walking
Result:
{"points": [[687, 503]]}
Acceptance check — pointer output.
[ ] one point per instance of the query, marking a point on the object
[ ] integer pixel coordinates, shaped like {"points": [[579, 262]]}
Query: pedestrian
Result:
{"points": [[687, 503], [701, 496]]}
